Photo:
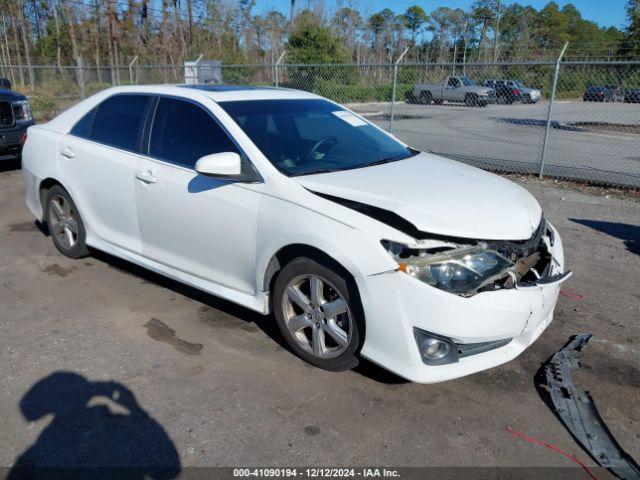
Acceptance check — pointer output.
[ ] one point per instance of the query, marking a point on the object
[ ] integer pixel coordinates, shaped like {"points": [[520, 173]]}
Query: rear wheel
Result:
{"points": [[409, 97], [65, 224], [318, 313]]}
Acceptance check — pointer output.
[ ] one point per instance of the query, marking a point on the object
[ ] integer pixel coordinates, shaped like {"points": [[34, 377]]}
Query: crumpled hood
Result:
{"points": [[439, 196]]}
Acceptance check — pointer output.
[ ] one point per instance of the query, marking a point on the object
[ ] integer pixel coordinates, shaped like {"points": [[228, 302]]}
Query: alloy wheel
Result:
{"points": [[62, 222], [317, 316]]}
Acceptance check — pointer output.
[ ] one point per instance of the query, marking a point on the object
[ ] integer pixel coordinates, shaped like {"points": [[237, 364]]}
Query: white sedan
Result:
{"points": [[287, 203]]}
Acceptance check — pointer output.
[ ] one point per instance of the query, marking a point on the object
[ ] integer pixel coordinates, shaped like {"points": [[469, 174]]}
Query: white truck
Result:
{"points": [[459, 89]]}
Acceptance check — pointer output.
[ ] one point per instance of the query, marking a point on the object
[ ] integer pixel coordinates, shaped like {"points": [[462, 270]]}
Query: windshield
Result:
{"points": [[518, 83], [467, 81], [313, 136]]}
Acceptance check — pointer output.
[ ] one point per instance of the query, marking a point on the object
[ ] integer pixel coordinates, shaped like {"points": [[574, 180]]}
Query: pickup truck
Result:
{"points": [[454, 89], [15, 118]]}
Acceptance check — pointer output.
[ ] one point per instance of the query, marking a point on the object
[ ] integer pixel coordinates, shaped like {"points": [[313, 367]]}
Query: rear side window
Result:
{"points": [[82, 129], [183, 132], [119, 121]]}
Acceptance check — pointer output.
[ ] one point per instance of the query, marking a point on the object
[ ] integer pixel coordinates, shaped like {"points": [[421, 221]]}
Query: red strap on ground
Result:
{"points": [[542, 443], [573, 296]]}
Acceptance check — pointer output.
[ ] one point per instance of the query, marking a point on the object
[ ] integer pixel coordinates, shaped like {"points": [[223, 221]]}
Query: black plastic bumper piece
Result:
{"points": [[578, 412]]}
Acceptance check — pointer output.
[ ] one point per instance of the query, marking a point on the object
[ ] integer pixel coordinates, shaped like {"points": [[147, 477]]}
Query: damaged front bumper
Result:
{"points": [[396, 304]]}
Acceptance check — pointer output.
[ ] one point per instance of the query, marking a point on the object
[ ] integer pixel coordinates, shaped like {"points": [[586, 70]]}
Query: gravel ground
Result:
{"points": [[219, 388]]}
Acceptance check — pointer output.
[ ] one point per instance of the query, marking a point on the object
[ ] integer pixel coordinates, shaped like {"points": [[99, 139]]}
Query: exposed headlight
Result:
{"points": [[457, 270], [22, 111]]}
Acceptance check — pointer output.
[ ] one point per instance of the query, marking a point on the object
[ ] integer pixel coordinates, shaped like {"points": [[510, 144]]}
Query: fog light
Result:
{"points": [[434, 349]]}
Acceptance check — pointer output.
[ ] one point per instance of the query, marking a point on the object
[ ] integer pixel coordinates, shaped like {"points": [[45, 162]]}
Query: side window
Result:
{"points": [[119, 121], [453, 82], [82, 129], [183, 132]]}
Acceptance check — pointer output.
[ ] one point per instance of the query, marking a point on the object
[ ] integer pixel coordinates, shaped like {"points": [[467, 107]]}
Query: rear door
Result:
{"points": [[197, 224], [98, 158]]}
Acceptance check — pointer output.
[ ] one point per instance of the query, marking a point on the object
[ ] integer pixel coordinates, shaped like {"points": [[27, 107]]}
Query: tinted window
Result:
{"points": [[453, 82], [82, 129], [183, 132], [119, 121]]}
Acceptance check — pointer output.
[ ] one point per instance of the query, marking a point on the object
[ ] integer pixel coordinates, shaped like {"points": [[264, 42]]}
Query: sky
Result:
{"points": [[604, 12]]}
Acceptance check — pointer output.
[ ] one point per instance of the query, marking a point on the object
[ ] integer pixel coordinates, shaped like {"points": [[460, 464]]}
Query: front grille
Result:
{"points": [[6, 114]]}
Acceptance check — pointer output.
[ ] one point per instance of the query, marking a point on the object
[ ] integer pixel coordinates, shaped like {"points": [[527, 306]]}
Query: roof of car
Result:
{"points": [[219, 93], [211, 87]]}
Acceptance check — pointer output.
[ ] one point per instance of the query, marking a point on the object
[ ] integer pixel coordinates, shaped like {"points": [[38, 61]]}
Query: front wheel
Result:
{"points": [[471, 100], [65, 224], [318, 313]]}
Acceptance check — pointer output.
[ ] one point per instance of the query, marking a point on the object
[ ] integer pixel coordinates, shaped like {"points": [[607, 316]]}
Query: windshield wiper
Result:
{"points": [[381, 161], [313, 172]]}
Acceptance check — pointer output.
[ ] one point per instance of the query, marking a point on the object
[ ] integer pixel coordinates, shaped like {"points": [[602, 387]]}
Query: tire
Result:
{"points": [[426, 98], [65, 223], [471, 100], [342, 344]]}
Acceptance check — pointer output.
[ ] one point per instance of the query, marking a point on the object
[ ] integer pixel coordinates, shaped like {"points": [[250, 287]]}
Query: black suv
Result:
{"points": [[15, 117]]}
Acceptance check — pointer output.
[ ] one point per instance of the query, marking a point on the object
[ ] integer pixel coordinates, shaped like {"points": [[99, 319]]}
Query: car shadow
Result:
{"points": [[98, 431], [378, 374], [629, 234], [266, 323]]}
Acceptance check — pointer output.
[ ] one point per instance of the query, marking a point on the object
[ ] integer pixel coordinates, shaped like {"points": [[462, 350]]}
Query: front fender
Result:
{"points": [[282, 223]]}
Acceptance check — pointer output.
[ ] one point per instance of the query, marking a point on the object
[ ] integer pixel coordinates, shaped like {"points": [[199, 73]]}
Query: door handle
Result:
{"points": [[146, 176], [67, 152]]}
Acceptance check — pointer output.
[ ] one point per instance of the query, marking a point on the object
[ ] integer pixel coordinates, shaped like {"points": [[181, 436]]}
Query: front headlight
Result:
{"points": [[457, 270], [22, 111]]}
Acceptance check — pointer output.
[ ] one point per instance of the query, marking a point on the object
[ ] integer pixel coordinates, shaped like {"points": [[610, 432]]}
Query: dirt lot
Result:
{"points": [[215, 378]]}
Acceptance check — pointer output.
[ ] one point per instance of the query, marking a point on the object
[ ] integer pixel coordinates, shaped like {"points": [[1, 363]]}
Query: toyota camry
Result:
{"points": [[289, 204]]}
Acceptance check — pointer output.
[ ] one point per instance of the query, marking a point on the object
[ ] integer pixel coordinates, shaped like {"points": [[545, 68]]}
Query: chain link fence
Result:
{"points": [[586, 128]]}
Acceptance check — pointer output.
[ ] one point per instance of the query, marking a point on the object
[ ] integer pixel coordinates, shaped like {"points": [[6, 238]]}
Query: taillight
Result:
{"points": [[23, 138], [516, 92]]}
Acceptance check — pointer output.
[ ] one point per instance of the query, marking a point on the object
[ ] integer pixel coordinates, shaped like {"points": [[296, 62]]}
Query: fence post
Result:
{"points": [[197, 65], [276, 68], [551, 100], [80, 76], [394, 87], [135, 59]]}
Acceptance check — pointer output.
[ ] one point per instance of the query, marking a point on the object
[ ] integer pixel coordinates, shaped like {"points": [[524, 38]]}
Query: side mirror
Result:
{"points": [[225, 164]]}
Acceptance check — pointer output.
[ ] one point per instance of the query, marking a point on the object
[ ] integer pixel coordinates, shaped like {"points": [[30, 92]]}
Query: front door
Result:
{"points": [[200, 225]]}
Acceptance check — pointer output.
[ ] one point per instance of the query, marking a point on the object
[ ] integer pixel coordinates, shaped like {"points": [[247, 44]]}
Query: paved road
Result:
{"points": [[219, 388], [510, 137]]}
